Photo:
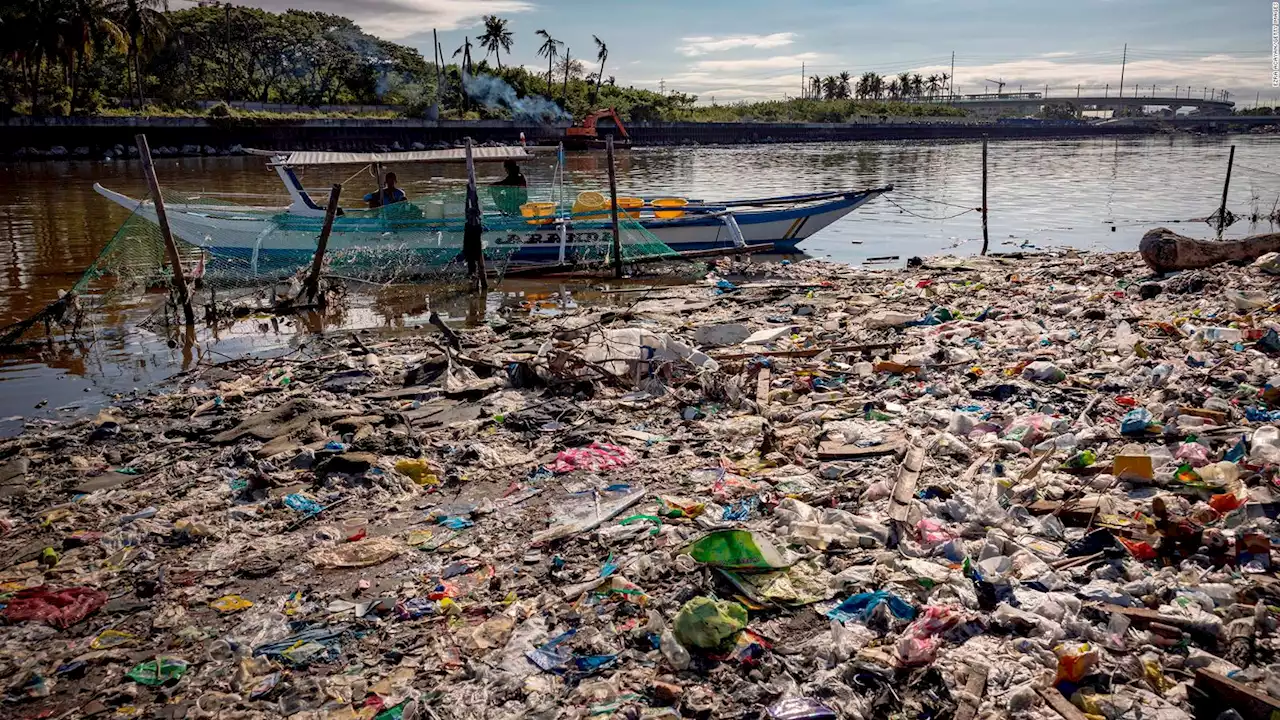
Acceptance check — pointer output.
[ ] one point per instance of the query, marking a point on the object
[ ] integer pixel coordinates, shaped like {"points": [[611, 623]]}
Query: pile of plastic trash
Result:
{"points": [[976, 487]]}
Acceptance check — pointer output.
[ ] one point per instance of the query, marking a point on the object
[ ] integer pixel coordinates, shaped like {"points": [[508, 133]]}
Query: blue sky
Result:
{"points": [[753, 49]]}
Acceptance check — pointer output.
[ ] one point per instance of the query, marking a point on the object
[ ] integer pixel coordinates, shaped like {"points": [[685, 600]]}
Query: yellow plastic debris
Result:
{"points": [[230, 604]]}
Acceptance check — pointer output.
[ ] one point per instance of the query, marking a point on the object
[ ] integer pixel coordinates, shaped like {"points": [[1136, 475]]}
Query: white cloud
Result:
{"points": [[1232, 72], [769, 63], [704, 44], [399, 19]]}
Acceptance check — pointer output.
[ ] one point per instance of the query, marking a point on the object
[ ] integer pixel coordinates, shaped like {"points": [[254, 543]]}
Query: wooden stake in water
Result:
{"points": [[984, 194], [1226, 185], [613, 204], [472, 231], [312, 285], [171, 248]]}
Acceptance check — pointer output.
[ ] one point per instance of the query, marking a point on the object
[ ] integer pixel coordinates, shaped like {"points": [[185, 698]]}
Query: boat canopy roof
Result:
{"points": [[297, 158]]}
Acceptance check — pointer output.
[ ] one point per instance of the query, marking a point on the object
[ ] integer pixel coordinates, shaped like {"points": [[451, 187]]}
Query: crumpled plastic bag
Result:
{"points": [[59, 608], [707, 623], [635, 351], [863, 605]]}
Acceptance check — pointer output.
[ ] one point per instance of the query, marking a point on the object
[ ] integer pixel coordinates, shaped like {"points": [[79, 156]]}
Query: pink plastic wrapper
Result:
{"points": [[59, 608], [919, 642], [1192, 453], [596, 457]]}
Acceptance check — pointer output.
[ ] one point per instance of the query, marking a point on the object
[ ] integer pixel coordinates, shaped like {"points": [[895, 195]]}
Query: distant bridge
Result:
{"points": [[999, 104]]}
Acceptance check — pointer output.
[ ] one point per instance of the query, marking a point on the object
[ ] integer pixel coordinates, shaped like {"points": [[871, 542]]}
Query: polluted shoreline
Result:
{"points": [[972, 487]]}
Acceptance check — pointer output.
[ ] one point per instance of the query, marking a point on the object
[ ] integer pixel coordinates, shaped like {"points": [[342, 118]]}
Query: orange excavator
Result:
{"points": [[590, 133]]}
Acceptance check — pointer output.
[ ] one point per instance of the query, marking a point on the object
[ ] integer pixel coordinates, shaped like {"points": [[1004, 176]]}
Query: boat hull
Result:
{"points": [[260, 242]]}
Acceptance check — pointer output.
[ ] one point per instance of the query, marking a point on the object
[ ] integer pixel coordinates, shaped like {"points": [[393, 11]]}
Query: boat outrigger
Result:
{"points": [[272, 238]]}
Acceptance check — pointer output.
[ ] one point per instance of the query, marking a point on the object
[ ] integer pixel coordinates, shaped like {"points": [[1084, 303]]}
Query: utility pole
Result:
{"points": [[1107, 91], [1123, 61], [662, 86], [952, 80], [803, 92]]}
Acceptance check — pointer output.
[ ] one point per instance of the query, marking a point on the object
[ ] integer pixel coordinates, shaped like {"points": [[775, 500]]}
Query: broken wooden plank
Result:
{"points": [[1067, 563], [1218, 417], [1060, 704], [904, 490], [831, 450], [1227, 693], [1142, 616], [810, 352], [974, 688], [762, 388]]}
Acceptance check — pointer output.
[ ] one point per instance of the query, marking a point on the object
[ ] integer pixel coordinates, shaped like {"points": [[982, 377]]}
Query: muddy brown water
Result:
{"points": [[1092, 194]]}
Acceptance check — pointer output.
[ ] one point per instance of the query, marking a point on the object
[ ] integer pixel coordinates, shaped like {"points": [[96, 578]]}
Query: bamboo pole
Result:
{"points": [[1226, 185], [179, 277], [613, 203], [472, 233], [312, 285], [984, 195]]}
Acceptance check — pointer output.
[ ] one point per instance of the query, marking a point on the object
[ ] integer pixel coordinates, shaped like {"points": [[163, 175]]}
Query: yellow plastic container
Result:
{"points": [[669, 203], [630, 206], [541, 213], [590, 202]]}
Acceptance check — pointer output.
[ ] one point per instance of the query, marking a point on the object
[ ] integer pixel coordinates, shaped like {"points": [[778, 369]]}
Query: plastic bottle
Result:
{"points": [[674, 652], [1221, 334], [1264, 446]]}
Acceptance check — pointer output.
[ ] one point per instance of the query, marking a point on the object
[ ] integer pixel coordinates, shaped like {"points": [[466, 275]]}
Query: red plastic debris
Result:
{"points": [[598, 456], [59, 608]]}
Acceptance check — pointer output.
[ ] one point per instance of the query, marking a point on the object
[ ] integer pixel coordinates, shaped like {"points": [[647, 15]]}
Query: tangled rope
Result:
{"points": [[927, 217]]}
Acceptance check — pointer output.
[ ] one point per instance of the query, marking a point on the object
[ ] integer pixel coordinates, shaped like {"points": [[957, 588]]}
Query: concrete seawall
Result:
{"points": [[98, 136]]}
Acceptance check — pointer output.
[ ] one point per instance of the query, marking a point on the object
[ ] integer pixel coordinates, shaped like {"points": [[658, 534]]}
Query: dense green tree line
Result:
{"points": [[61, 57]]}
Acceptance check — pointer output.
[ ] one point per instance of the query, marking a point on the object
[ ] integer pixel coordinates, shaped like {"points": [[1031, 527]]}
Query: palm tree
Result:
{"points": [[917, 85], [146, 26], [863, 88], [88, 29], [550, 49], [894, 88], [815, 87], [30, 37], [942, 80], [932, 84], [496, 38], [845, 89], [830, 87], [602, 54], [904, 84]]}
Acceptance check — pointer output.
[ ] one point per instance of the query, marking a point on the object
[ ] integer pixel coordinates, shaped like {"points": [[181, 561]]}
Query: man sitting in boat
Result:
{"points": [[388, 195], [512, 191]]}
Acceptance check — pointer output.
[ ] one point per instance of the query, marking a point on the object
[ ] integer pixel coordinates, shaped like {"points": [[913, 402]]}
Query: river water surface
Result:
{"points": [[1089, 194]]}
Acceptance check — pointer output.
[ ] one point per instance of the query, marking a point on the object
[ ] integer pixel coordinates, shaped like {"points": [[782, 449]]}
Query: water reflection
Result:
{"points": [[1100, 193]]}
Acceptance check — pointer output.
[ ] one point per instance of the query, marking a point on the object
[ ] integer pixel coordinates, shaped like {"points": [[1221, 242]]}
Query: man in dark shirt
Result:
{"points": [[512, 191], [388, 195]]}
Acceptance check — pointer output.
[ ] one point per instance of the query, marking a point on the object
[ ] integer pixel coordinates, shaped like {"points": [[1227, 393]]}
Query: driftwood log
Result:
{"points": [[1165, 250]]}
